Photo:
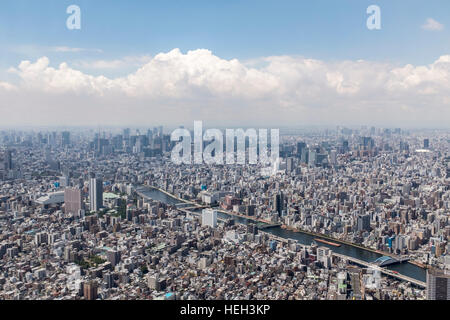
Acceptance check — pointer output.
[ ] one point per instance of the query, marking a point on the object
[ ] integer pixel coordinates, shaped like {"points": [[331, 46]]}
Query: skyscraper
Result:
{"points": [[345, 146], [367, 143], [324, 255], [72, 200], [113, 257], [289, 164], [51, 139], [426, 143], [65, 138], [300, 147], [333, 157], [8, 160], [90, 290], [278, 203], [305, 155], [312, 158], [95, 194], [363, 222], [209, 218], [438, 284]]}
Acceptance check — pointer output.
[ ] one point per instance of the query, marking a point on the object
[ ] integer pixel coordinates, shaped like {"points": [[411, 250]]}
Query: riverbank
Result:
{"points": [[174, 196], [320, 235], [324, 236], [218, 210], [414, 269]]}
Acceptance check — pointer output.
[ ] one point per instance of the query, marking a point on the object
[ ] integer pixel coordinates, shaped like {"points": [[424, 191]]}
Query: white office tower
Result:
{"points": [[276, 165], [372, 279], [324, 255], [209, 218], [95, 194], [73, 272]]}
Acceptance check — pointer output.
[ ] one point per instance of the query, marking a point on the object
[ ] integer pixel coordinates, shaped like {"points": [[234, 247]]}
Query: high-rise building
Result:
{"points": [[345, 146], [278, 203], [108, 279], [363, 222], [51, 139], [289, 164], [90, 290], [72, 200], [252, 228], [367, 143], [250, 210], [126, 133], [8, 160], [95, 194], [426, 143], [155, 283], [305, 155], [113, 257], [324, 256], [333, 157], [209, 218], [300, 147], [438, 284], [65, 138], [312, 158]]}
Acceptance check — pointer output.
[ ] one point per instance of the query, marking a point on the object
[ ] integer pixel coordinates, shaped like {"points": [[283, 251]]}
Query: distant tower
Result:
{"points": [[426, 143], [95, 194], [65, 138], [276, 166], [312, 158], [300, 147], [8, 160], [289, 164]]}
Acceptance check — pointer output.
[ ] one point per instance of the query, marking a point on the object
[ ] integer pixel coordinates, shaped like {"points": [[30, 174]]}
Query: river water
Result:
{"points": [[406, 269]]}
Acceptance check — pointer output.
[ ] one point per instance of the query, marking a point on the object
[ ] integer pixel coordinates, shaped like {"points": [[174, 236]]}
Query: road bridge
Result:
{"points": [[385, 261], [382, 270]]}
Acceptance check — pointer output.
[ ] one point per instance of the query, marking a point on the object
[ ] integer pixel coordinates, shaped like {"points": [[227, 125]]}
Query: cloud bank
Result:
{"points": [[177, 88]]}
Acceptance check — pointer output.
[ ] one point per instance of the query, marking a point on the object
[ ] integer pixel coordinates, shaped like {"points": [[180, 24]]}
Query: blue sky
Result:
{"points": [[327, 30], [264, 61]]}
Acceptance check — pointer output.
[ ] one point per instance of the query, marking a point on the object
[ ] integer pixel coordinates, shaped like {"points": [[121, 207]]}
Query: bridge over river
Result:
{"points": [[382, 270], [375, 265], [406, 271]]}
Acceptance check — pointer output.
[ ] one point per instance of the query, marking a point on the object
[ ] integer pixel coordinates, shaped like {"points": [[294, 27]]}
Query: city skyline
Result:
{"points": [[343, 214]]}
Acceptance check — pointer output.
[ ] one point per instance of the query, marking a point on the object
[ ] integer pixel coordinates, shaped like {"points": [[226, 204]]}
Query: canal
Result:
{"points": [[406, 269]]}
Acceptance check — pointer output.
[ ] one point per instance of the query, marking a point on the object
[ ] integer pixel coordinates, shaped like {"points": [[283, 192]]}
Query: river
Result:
{"points": [[406, 268]]}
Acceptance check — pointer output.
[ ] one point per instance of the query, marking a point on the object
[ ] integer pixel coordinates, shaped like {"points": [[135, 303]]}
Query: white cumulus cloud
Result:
{"points": [[73, 50], [432, 25], [177, 87]]}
